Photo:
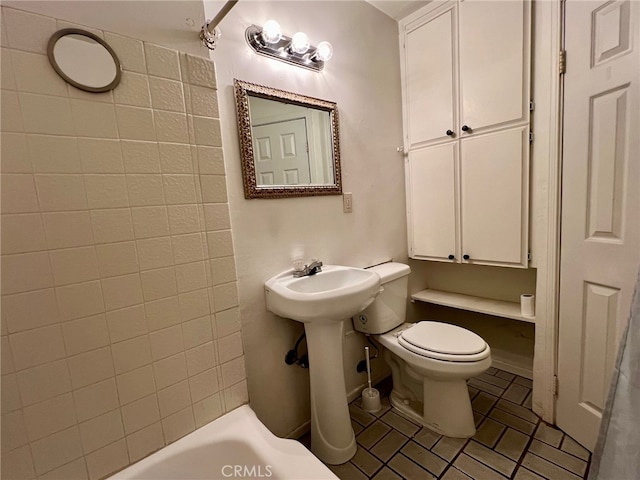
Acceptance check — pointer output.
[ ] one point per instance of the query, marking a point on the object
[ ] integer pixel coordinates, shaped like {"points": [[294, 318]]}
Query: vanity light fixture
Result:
{"points": [[268, 40]]}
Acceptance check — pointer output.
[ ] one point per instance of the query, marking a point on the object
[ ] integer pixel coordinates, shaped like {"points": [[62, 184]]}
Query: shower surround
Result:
{"points": [[120, 322]]}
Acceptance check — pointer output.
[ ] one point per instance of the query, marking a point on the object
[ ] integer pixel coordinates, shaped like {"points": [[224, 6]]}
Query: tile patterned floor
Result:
{"points": [[511, 441]]}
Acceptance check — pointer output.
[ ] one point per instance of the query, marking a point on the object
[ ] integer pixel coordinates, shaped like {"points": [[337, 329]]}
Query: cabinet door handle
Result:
{"points": [[451, 257], [466, 257], [466, 128], [449, 133]]}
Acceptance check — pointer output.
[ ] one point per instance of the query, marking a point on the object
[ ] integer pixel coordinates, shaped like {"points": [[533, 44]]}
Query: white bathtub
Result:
{"points": [[236, 445]]}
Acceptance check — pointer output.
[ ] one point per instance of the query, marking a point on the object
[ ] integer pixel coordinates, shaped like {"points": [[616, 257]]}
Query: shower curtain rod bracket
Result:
{"points": [[209, 33]]}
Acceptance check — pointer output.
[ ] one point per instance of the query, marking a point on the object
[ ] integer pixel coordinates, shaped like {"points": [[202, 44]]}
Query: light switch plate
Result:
{"points": [[347, 202]]}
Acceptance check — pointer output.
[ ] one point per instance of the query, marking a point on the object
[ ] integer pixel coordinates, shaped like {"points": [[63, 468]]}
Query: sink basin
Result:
{"points": [[332, 295], [322, 302]]}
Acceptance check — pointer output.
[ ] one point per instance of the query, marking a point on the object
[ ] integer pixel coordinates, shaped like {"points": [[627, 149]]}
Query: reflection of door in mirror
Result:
{"points": [[281, 153], [285, 136]]}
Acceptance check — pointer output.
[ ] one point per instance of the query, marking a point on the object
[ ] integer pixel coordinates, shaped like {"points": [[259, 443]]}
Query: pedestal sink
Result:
{"points": [[323, 302]]}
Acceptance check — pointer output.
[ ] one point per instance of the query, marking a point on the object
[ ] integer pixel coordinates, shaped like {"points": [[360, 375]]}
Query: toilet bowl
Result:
{"points": [[430, 361]]}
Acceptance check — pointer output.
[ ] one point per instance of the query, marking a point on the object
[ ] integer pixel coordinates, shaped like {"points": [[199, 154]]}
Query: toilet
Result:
{"points": [[430, 361]]}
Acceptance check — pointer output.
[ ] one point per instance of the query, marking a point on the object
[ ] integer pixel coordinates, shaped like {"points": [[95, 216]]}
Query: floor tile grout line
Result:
{"points": [[557, 465], [525, 450]]}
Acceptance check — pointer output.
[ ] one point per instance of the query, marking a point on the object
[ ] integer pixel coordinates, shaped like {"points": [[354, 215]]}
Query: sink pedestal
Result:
{"points": [[332, 437]]}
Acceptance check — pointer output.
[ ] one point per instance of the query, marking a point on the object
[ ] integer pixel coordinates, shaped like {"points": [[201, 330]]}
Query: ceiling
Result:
{"points": [[398, 9]]}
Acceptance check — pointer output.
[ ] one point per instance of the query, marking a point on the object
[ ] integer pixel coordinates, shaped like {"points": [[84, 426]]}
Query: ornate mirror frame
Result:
{"points": [[251, 188]]}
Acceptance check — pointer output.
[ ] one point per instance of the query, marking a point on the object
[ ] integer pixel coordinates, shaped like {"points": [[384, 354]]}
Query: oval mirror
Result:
{"points": [[84, 60]]}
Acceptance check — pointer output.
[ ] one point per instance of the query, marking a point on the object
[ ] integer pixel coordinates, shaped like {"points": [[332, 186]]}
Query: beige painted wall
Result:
{"points": [[120, 320], [363, 77]]}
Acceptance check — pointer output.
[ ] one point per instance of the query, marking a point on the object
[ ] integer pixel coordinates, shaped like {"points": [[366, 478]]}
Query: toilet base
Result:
{"points": [[446, 407]]}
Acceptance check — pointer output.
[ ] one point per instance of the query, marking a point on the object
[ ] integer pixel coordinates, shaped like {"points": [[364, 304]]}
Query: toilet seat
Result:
{"points": [[443, 341]]}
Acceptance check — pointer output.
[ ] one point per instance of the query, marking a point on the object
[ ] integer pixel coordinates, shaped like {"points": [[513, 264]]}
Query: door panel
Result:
{"points": [[600, 246], [494, 33], [494, 197], [281, 153], [430, 79], [432, 205]]}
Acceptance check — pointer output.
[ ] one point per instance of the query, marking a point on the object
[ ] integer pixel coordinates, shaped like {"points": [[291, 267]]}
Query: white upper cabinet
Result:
{"points": [[429, 55], [494, 63], [465, 79]]}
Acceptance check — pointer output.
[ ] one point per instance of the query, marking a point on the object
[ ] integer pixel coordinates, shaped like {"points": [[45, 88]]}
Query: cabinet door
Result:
{"points": [[429, 78], [494, 181], [494, 63], [431, 199]]}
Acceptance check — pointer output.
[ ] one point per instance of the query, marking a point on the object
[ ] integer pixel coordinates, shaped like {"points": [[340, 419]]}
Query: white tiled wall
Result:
{"points": [[120, 323]]}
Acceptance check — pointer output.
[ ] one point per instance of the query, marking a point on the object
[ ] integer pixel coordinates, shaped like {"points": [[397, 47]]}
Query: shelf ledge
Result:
{"points": [[488, 306]]}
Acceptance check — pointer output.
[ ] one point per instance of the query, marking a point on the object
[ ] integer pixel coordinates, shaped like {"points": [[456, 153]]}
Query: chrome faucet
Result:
{"points": [[314, 267]]}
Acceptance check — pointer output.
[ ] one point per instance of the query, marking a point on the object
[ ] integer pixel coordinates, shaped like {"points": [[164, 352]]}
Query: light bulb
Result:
{"points": [[271, 32], [324, 52], [300, 43]]}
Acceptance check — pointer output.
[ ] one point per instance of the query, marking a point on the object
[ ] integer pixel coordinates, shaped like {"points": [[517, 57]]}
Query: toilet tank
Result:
{"points": [[389, 308]]}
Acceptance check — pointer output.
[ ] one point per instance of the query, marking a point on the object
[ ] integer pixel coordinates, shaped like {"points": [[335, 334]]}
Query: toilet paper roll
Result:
{"points": [[528, 305]]}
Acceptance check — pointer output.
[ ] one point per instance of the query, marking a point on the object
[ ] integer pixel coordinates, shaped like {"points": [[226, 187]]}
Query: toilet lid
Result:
{"points": [[443, 338]]}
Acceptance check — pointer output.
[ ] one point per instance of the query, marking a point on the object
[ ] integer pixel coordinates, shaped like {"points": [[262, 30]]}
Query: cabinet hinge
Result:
{"points": [[532, 106], [554, 386], [529, 256], [563, 62], [530, 137]]}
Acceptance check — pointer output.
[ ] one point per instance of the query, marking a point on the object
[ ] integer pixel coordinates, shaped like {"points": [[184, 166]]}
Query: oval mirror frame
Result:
{"points": [[65, 75]]}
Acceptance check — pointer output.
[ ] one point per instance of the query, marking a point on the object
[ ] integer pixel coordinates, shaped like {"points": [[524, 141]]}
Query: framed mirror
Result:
{"points": [[289, 143], [84, 60]]}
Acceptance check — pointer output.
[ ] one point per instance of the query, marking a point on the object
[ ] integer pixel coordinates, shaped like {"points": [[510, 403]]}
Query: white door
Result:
{"points": [[429, 75], [495, 34], [600, 247], [431, 202], [494, 197], [280, 152]]}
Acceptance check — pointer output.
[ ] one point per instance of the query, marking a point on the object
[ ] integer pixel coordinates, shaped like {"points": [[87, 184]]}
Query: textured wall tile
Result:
{"points": [[20, 267], [171, 127], [140, 414], [112, 225], [145, 441], [18, 194], [145, 190], [53, 154], [133, 90], [94, 119], [130, 52], [131, 354], [43, 382], [175, 158], [140, 157], [126, 323], [74, 265], [178, 425], [183, 219], [91, 367], [56, 450], [79, 300], [117, 258], [34, 74], [107, 460], [100, 155], [96, 399], [135, 123], [170, 370], [166, 94], [201, 71], [14, 154], [27, 31], [162, 62], [25, 311], [68, 229], [85, 334], [22, 233], [46, 114], [11, 112], [58, 192], [207, 131], [50, 416]]}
